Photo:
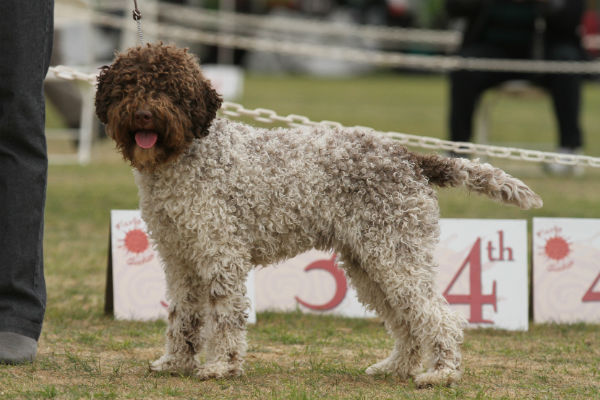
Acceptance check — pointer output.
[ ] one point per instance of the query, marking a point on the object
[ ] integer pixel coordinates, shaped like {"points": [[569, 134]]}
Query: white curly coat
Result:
{"points": [[244, 196]]}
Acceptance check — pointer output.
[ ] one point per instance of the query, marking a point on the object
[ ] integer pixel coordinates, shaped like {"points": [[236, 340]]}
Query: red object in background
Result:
{"points": [[591, 26], [397, 7], [590, 295], [136, 241], [341, 286], [557, 248], [475, 298], [591, 22]]}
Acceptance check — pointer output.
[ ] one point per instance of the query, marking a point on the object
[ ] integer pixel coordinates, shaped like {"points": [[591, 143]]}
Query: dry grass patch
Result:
{"points": [[102, 358]]}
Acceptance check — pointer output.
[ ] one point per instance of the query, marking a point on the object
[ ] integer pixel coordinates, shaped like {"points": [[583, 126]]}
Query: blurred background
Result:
{"points": [[325, 59]]}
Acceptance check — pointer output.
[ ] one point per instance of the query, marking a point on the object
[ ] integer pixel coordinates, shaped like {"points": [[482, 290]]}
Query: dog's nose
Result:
{"points": [[143, 116]]}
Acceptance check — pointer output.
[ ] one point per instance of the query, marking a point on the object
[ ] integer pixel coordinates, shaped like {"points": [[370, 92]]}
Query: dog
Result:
{"points": [[221, 197]]}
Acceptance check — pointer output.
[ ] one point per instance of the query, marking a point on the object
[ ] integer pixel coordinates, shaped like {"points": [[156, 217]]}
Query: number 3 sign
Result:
{"points": [[311, 282]]}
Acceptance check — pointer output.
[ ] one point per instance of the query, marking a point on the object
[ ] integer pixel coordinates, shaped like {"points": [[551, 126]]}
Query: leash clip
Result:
{"points": [[137, 17]]}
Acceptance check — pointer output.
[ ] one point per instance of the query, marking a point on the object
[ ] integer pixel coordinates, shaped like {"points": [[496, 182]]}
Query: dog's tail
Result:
{"points": [[478, 177]]}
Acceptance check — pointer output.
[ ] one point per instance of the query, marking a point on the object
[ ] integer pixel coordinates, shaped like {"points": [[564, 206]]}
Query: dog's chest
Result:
{"points": [[172, 204]]}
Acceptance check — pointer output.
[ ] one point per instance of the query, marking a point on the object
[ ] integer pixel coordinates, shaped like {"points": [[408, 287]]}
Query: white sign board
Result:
{"points": [[138, 290], [227, 80], [311, 282], [566, 270], [483, 271]]}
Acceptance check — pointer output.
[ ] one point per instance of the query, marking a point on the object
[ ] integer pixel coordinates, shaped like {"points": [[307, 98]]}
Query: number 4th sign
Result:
{"points": [[483, 271]]}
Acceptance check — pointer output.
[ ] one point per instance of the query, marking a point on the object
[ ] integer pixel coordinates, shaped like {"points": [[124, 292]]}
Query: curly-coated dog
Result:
{"points": [[221, 197]]}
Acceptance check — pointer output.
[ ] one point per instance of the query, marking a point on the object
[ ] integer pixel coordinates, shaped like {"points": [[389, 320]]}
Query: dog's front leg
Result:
{"points": [[225, 326], [183, 337]]}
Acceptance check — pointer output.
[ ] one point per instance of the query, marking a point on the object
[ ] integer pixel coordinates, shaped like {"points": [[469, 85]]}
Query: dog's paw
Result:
{"points": [[168, 363], [218, 370], [390, 366], [380, 368], [438, 377]]}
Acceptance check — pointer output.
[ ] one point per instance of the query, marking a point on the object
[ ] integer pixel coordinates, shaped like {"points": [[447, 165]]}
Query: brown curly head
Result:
{"points": [[154, 101]]}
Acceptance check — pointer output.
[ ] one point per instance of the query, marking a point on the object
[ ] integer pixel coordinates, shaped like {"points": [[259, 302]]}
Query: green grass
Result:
{"points": [[85, 354]]}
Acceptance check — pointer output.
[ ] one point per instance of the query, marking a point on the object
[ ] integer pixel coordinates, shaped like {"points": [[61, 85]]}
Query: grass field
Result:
{"points": [[86, 354]]}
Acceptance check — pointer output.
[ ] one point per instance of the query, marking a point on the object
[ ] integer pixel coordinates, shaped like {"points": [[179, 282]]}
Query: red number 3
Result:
{"points": [[341, 285]]}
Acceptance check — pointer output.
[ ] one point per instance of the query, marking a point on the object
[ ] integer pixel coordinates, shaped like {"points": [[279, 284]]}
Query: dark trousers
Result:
{"points": [[25, 46], [466, 88]]}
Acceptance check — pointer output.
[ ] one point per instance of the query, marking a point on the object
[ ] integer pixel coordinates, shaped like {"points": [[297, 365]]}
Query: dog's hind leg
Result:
{"points": [[429, 318], [405, 359], [226, 327], [443, 342]]}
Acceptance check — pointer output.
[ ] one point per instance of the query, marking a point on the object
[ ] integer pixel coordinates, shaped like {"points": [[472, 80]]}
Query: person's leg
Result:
{"points": [[565, 90], [466, 88], [25, 45]]}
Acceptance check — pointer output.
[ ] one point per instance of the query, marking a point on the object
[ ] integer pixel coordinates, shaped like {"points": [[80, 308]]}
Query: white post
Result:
{"points": [[86, 128], [87, 118]]}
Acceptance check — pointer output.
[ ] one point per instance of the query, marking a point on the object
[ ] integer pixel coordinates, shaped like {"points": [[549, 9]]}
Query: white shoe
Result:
{"points": [[564, 169]]}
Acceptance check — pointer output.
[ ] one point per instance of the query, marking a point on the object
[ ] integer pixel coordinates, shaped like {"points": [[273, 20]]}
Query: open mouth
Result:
{"points": [[146, 139]]}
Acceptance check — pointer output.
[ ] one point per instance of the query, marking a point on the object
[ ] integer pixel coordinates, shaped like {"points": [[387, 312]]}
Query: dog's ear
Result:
{"points": [[102, 93], [209, 102]]}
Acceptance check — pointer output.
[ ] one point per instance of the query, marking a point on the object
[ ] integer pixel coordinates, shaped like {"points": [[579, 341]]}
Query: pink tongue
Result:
{"points": [[146, 139]]}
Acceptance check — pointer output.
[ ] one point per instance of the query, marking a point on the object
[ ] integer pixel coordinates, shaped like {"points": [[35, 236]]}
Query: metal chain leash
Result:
{"points": [[71, 74], [137, 17], [267, 116]]}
